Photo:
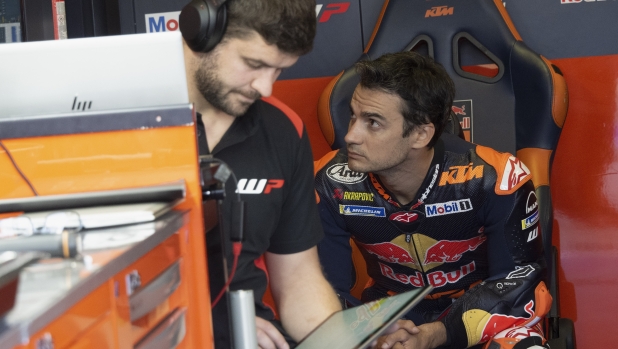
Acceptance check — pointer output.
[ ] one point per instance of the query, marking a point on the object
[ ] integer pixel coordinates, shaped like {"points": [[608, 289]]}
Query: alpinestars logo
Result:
{"points": [[258, 186], [514, 173]]}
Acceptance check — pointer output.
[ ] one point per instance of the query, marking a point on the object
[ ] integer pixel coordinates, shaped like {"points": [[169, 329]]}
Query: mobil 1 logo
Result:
{"points": [[449, 207]]}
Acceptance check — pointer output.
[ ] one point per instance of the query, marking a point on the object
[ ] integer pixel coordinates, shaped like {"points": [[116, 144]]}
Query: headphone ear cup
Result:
{"points": [[202, 24]]}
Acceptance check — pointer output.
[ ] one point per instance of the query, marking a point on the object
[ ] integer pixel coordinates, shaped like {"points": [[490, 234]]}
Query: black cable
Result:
{"points": [[238, 209], [18, 170]]}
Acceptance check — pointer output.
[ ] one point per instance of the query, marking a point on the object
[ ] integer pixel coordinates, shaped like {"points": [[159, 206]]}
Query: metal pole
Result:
{"points": [[243, 319]]}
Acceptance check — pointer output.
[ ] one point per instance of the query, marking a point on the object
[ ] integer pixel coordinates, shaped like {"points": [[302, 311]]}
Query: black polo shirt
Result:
{"points": [[269, 152]]}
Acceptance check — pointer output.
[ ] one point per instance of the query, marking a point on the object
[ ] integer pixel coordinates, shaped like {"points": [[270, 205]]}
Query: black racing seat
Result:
{"points": [[508, 97]]}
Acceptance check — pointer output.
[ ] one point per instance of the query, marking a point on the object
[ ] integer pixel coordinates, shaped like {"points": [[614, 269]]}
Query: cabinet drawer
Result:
{"points": [[168, 334], [79, 318], [154, 301], [100, 336], [145, 269]]}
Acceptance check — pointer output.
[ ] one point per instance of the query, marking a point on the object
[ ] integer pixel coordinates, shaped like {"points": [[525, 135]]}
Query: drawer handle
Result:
{"points": [[144, 300], [168, 333]]}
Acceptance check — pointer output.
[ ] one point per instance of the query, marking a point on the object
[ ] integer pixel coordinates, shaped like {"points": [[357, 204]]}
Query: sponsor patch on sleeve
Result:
{"points": [[354, 210], [511, 172], [515, 173], [530, 220]]}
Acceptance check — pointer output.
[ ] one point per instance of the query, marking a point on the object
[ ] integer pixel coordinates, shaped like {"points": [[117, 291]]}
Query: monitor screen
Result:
{"points": [[92, 74]]}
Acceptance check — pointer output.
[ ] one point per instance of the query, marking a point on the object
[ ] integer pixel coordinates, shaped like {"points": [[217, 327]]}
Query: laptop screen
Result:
{"points": [[357, 327], [92, 74]]}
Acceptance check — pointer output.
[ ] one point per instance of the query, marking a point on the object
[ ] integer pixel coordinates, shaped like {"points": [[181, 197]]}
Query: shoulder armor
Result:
{"points": [[511, 172]]}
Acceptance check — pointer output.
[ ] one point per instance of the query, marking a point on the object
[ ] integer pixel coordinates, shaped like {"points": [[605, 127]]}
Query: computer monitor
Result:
{"points": [[92, 74]]}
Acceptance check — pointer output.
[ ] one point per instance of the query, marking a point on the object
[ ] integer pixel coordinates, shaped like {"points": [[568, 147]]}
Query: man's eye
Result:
{"points": [[374, 123], [254, 65]]}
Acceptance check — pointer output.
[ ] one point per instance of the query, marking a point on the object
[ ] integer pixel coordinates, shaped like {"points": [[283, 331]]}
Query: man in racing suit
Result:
{"points": [[426, 208]]}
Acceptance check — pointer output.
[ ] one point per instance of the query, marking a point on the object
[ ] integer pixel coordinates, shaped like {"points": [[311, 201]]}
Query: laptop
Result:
{"points": [[92, 74], [359, 326]]}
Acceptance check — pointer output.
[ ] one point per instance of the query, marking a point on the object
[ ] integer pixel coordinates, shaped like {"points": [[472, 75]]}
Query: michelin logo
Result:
{"points": [[530, 220], [450, 207], [353, 210]]}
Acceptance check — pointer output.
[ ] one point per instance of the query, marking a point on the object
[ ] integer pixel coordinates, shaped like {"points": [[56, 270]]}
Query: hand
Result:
{"points": [[404, 334], [268, 336]]}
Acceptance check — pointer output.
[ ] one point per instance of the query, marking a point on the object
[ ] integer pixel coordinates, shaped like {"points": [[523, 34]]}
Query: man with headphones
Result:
{"points": [[234, 52]]}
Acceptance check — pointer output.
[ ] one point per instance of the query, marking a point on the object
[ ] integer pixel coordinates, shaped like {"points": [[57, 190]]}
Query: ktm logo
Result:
{"points": [[439, 11], [255, 186], [331, 9], [460, 174]]}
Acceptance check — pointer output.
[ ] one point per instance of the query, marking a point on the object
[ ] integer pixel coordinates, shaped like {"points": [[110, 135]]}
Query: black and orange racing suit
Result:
{"points": [[472, 233]]}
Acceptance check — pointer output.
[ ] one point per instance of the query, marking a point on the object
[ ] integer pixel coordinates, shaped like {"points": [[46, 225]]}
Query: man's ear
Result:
{"points": [[422, 135]]}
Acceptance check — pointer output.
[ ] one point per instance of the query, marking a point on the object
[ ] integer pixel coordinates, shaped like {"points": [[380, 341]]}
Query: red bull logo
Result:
{"points": [[389, 252], [463, 110], [440, 278], [459, 110], [498, 322], [415, 280], [449, 251], [435, 279]]}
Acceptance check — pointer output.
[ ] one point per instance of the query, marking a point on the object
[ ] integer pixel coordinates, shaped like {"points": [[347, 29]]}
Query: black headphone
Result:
{"points": [[202, 23]]}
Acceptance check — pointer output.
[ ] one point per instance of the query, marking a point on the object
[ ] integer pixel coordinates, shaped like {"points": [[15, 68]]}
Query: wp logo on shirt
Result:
{"points": [[258, 186]]}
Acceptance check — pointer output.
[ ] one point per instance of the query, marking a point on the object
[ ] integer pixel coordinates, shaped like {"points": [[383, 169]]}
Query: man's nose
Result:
{"points": [[354, 135], [263, 82]]}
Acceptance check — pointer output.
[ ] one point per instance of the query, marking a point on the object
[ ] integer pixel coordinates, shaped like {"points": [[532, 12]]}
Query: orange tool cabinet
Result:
{"points": [[151, 293]]}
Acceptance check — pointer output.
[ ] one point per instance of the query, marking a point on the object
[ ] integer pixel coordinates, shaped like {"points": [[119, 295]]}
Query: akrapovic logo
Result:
{"points": [[448, 208], [258, 186], [341, 173]]}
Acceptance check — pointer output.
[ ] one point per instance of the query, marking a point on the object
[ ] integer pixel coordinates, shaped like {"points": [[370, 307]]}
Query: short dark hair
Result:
{"points": [[289, 24], [425, 88]]}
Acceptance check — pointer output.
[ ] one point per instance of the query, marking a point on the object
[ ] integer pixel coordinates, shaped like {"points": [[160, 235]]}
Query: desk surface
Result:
{"points": [[49, 288]]}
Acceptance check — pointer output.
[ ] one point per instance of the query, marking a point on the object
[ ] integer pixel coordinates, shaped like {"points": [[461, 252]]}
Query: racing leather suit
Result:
{"points": [[472, 233]]}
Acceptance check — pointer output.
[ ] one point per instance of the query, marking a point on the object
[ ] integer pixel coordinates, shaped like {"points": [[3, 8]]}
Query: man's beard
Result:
{"points": [[211, 87]]}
